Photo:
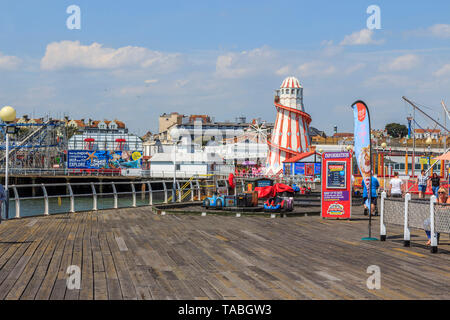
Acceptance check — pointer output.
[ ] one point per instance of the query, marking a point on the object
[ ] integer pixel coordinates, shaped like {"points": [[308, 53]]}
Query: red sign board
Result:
{"points": [[336, 185]]}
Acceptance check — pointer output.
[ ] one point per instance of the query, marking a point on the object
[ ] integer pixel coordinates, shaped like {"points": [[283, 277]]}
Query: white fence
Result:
{"points": [[418, 214]]}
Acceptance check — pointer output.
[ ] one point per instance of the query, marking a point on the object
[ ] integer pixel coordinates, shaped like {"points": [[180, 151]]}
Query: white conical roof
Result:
{"points": [[291, 82]]}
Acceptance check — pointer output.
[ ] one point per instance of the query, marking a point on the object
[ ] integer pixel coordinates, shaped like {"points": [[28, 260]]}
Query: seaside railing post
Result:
{"points": [[114, 195], [17, 201], [191, 185], [150, 194], [72, 198], [227, 186], [165, 192], [133, 190], [94, 197], [44, 192], [216, 182], [179, 191], [406, 233], [382, 226], [199, 192], [434, 244]]}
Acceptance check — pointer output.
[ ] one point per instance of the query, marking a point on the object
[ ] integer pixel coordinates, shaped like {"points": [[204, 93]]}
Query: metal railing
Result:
{"points": [[429, 216], [107, 172], [222, 174], [62, 172], [181, 174], [45, 199]]}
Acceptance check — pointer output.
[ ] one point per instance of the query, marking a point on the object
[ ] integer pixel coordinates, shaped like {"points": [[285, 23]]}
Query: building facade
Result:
{"points": [[102, 136]]}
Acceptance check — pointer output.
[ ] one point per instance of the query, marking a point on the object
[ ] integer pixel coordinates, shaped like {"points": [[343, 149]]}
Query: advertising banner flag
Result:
{"points": [[363, 152], [362, 141]]}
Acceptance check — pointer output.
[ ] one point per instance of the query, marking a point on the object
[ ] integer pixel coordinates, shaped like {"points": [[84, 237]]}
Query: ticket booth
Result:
{"points": [[336, 200]]}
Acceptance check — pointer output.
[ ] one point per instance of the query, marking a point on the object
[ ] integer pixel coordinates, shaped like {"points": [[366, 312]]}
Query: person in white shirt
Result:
{"points": [[396, 186]]}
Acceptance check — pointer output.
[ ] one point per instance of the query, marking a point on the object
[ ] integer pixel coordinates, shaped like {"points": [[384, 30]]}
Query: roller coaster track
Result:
{"points": [[26, 139]]}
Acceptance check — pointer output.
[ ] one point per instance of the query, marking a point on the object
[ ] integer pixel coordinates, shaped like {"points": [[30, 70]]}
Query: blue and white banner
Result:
{"points": [[97, 159], [362, 140]]}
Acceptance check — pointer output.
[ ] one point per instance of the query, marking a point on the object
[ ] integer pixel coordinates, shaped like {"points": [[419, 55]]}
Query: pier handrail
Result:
{"points": [[122, 194]]}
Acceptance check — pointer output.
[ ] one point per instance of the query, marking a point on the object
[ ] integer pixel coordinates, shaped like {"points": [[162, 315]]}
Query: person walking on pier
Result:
{"points": [[396, 186], [374, 196], [422, 180], [435, 183]]}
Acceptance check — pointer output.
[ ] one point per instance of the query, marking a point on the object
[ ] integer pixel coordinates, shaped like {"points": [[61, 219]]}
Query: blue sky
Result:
{"points": [[134, 60]]}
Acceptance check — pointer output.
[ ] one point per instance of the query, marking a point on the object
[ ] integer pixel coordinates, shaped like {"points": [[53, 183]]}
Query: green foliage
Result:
{"points": [[396, 130], [70, 131]]}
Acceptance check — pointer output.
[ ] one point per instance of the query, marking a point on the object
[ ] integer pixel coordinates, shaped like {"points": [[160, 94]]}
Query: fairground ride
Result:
{"points": [[36, 145]]}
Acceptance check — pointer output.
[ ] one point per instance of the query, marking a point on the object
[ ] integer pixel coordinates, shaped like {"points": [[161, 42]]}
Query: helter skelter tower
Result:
{"points": [[290, 136]]}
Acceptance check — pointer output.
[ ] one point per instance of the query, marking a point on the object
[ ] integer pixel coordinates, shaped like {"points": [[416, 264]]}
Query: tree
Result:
{"points": [[396, 130]]}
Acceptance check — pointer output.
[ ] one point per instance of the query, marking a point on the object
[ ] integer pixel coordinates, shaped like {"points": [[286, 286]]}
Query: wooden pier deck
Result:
{"points": [[135, 254]]}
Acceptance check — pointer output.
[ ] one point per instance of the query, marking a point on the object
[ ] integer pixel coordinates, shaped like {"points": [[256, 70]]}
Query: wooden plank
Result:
{"points": [[127, 254], [77, 257], [44, 264], [54, 284], [87, 270], [30, 264]]}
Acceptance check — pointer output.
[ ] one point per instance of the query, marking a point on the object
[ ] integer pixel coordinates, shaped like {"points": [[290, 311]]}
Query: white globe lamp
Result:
{"points": [[8, 114]]}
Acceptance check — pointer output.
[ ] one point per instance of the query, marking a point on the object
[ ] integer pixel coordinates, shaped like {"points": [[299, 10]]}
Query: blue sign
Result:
{"points": [[317, 169], [299, 168], [264, 183], [84, 159]]}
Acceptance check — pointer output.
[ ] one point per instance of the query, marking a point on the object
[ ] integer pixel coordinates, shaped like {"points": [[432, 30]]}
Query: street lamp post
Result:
{"points": [[8, 115]]}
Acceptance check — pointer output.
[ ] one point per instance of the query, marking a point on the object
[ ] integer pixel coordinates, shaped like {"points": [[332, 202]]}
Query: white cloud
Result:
{"points": [[71, 54], [283, 71], [435, 31], [355, 68], [386, 80], [405, 62], [444, 70], [9, 62], [361, 37], [316, 68], [246, 63], [330, 49], [127, 91], [440, 30]]}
